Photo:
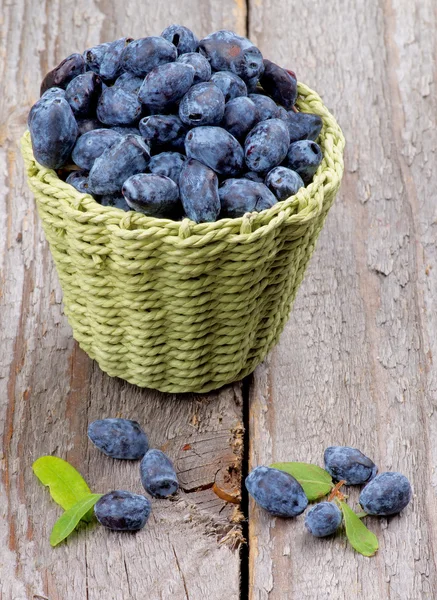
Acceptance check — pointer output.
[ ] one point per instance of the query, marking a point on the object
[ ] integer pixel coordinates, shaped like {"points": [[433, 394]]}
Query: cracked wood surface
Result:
{"points": [[50, 390], [355, 363]]}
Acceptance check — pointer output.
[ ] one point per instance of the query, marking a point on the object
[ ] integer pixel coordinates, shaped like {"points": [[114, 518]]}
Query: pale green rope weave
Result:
{"points": [[180, 306]]}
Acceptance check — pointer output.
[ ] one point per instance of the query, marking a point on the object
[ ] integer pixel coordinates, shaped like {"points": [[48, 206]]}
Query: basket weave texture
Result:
{"points": [[180, 306]]}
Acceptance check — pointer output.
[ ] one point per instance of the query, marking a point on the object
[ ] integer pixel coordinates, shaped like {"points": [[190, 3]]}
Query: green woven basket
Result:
{"points": [[180, 306]]}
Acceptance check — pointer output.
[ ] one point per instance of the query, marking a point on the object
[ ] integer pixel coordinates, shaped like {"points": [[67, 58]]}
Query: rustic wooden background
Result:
{"points": [[354, 365]]}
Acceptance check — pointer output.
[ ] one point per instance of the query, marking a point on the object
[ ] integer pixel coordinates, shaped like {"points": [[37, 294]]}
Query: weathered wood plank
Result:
{"points": [[49, 390], [355, 364]]}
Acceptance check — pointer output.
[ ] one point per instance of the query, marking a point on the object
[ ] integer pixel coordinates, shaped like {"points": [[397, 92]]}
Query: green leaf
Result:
{"points": [[362, 540], [67, 486], [71, 518], [316, 482]]}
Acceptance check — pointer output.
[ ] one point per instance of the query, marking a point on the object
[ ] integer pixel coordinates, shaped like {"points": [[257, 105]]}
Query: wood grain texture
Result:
{"points": [[50, 390], [355, 364]]}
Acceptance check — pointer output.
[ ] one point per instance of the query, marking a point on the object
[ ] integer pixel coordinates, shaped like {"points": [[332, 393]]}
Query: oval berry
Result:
{"points": [[387, 494], [152, 194], [198, 185], [182, 38], [158, 475], [266, 145], [323, 519], [216, 148], [203, 104], [277, 492], [119, 438], [122, 511], [239, 196], [144, 54]]}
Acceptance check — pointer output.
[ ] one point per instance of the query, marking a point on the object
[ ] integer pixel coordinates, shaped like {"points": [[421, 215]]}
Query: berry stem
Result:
{"points": [[335, 492]]}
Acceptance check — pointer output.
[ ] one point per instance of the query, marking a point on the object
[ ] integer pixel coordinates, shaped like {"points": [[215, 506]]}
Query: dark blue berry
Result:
{"points": [[154, 195], [83, 93], [240, 117], [323, 519], [267, 109], [53, 131], [91, 145], [240, 196], [253, 176], [79, 180], [119, 438], [279, 84], [202, 68], [303, 126], [127, 157], [349, 464], [122, 511], [182, 38], [49, 94], [387, 494], [165, 85], [129, 82], [143, 55], [304, 157], [111, 64], [276, 492], [158, 475], [203, 104], [117, 107], [68, 69], [283, 182], [168, 164], [163, 131], [216, 148], [227, 51], [198, 187], [266, 145], [230, 84], [85, 125], [94, 56]]}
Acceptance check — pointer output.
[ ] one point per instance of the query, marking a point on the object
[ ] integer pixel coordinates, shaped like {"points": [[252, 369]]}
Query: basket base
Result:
{"points": [[199, 387]]}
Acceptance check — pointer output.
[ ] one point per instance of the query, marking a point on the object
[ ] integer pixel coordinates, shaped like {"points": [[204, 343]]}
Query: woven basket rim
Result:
{"points": [[298, 210]]}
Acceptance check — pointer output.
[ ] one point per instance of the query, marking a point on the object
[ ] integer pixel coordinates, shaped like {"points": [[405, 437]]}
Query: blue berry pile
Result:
{"points": [[174, 127], [122, 510], [284, 490]]}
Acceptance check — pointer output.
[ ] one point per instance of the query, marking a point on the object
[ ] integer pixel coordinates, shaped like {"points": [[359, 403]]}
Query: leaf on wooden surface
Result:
{"points": [[361, 539], [67, 486], [316, 482], [71, 518]]}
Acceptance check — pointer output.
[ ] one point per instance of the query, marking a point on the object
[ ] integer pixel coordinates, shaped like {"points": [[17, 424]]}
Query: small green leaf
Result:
{"points": [[362, 540], [316, 482], [71, 518], [67, 486]]}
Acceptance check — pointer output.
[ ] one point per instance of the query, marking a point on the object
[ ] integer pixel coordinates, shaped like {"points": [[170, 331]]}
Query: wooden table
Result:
{"points": [[354, 366]]}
